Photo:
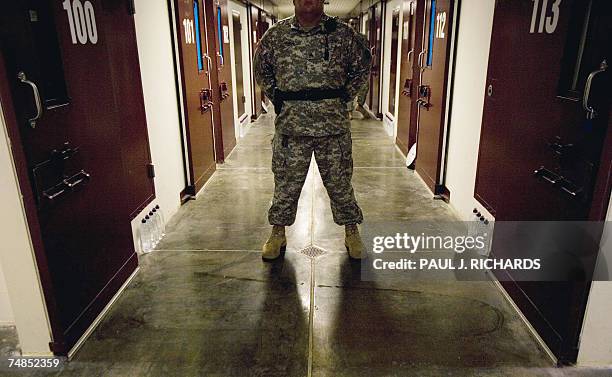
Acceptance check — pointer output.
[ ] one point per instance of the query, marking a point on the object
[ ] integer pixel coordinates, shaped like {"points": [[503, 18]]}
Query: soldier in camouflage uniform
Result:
{"points": [[312, 67]]}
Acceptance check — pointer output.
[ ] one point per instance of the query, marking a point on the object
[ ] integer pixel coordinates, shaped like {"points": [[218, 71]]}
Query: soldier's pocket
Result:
{"points": [[279, 155], [346, 149]]}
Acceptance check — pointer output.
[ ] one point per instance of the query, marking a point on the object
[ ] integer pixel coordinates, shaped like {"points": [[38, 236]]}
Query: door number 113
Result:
{"points": [[549, 21]]}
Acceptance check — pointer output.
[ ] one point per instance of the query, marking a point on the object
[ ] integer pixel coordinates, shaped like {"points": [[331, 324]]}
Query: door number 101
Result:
{"points": [[550, 21], [189, 31], [82, 21]]}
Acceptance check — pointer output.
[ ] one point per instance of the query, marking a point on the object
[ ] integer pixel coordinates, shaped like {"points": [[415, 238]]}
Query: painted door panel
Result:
{"points": [[197, 91], [255, 36], [376, 27], [409, 78], [85, 151], [239, 84], [395, 40], [434, 62], [225, 89], [535, 132]]}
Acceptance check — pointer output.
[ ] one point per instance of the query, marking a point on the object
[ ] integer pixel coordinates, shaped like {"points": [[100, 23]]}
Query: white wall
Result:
{"points": [[596, 338], [474, 38], [6, 312], [241, 127], [390, 126], [25, 298], [153, 33]]}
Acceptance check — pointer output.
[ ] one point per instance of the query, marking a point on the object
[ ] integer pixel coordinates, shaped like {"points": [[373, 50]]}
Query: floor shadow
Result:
{"points": [[389, 328]]}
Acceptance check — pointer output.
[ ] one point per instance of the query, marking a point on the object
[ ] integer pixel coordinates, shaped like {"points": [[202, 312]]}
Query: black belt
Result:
{"points": [[309, 94]]}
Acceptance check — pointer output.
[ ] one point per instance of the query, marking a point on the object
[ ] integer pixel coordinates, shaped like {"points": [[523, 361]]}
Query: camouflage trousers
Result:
{"points": [[291, 157]]}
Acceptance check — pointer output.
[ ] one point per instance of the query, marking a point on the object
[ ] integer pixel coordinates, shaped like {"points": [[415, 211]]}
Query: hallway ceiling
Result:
{"points": [[332, 7]]}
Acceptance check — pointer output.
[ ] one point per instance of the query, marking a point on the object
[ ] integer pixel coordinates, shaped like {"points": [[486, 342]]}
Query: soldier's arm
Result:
{"points": [[359, 65], [263, 66]]}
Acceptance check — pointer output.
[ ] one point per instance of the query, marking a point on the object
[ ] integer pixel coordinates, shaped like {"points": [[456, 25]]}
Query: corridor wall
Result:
{"points": [[160, 97], [472, 58], [24, 301], [6, 312], [595, 346]]}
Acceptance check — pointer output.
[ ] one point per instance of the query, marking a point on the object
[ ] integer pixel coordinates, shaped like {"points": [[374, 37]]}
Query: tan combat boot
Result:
{"points": [[275, 245], [353, 243]]}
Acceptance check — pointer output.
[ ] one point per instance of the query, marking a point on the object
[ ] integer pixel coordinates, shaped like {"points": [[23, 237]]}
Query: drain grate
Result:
{"points": [[312, 252]]}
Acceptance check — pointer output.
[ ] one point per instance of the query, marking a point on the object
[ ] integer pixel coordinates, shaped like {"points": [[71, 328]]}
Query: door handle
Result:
{"points": [[209, 71], [411, 52], [591, 113], [419, 59], [221, 56], [39, 107], [208, 62]]}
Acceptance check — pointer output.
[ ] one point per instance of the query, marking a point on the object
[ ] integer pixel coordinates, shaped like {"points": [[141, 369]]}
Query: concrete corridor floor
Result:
{"points": [[204, 304]]}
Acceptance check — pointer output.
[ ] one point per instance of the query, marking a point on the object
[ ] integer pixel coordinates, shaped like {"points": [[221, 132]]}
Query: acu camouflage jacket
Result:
{"points": [[291, 58]]}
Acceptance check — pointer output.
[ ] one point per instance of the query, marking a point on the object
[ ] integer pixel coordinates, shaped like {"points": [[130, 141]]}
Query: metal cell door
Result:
{"points": [[409, 76], [376, 29], [434, 63], [65, 67], [238, 65], [224, 113], [198, 93], [545, 119]]}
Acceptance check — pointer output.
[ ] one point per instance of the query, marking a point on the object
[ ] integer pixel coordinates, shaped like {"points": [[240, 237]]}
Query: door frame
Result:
{"points": [[241, 122], [392, 6], [29, 203], [437, 186]]}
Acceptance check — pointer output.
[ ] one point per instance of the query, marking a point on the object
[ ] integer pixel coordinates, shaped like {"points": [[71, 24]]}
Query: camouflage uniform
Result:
{"points": [[291, 58]]}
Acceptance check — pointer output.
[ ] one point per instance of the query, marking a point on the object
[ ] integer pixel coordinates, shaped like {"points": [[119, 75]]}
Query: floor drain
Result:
{"points": [[312, 252]]}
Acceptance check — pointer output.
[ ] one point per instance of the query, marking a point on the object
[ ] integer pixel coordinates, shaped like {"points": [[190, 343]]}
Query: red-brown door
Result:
{"points": [[198, 93], [395, 40], [75, 113], [255, 36], [409, 76], [239, 65], [376, 30], [434, 61], [541, 146], [225, 135]]}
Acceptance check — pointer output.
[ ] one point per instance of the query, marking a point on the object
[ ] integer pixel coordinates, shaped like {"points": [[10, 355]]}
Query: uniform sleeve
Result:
{"points": [[263, 64], [359, 65]]}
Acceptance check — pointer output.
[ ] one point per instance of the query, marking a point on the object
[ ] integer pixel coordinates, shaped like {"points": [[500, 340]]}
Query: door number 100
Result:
{"points": [[82, 21], [550, 21]]}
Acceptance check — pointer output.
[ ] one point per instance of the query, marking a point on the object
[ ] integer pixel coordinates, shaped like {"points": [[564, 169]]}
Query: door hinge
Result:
{"points": [[58, 348], [131, 7], [151, 170]]}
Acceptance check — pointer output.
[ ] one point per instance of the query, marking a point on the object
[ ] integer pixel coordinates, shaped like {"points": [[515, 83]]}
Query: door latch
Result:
{"points": [[205, 100], [424, 96], [407, 90], [223, 90]]}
